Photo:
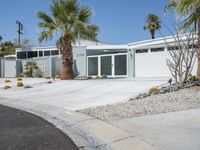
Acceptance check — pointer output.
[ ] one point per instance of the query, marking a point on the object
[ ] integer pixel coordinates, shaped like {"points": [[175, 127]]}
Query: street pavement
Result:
{"points": [[20, 130]]}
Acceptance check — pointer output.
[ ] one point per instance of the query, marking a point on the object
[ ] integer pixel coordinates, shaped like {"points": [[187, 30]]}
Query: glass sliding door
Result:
{"points": [[120, 65], [92, 66], [106, 65]]}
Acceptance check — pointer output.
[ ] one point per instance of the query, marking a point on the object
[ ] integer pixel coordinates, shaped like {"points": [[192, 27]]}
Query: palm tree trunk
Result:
{"points": [[198, 49], [152, 34], [67, 59]]}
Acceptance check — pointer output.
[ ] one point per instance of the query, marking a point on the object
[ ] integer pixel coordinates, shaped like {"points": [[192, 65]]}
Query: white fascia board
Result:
{"points": [[156, 42], [108, 47], [49, 48]]}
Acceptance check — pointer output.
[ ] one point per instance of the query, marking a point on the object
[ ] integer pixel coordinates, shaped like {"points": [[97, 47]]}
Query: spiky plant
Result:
{"points": [[31, 68]]}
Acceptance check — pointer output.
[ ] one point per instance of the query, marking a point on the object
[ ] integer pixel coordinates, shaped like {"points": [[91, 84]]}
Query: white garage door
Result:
{"points": [[151, 64]]}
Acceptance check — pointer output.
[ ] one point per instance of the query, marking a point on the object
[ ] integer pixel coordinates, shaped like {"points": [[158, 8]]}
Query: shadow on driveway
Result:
{"points": [[20, 130]]}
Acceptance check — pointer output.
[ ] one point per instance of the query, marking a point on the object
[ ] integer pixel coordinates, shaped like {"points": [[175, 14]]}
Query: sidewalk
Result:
{"points": [[88, 133]]}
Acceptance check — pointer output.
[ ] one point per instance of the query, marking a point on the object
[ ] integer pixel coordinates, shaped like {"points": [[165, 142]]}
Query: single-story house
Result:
{"points": [[139, 59]]}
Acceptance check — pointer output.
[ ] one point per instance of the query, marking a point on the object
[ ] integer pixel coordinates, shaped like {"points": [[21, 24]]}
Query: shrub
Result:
{"points": [[98, 77], [193, 78], [88, 77], [57, 77], [20, 84], [104, 76], [154, 90], [7, 81], [7, 87], [19, 79], [47, 77]]}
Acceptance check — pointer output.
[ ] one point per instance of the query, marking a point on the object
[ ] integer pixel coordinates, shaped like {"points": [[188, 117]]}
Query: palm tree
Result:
{"points": [[31, 69], [188, 11], [72, 22], [152, 24], [1, 38]]}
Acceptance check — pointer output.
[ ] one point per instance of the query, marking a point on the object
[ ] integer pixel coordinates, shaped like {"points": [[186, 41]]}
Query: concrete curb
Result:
{"points": [[87, 132]]}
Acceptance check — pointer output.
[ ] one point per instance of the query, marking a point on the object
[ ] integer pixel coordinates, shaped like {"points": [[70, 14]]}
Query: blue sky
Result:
{"points": [[120, 21]]}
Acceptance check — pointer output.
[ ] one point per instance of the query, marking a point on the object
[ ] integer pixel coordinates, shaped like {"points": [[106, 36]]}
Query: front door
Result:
{"points": [[114, 65]]}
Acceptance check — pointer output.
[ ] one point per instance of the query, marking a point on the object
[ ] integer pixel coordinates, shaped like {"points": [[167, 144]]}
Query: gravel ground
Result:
{"points": [[174, 101]]}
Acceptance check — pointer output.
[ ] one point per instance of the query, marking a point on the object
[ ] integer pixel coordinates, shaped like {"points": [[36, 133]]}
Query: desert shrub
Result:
{"points": [[154, 90], [89, 77], [193, 78], [19, 79], [6, 87], [20, 84], [98, 77], [57, 77], [47, 77], [104, 76], [7, 81]]}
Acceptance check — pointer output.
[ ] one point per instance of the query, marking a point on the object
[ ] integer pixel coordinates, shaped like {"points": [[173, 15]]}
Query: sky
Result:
{"points": [[120, 21]]}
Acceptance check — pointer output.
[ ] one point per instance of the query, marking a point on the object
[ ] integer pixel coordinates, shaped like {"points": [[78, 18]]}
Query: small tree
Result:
{"points": [[152, 24], [182, 54]]}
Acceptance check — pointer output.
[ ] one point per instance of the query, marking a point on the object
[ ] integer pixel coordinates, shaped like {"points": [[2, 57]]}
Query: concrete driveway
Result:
{"points": [[170, 131], [80, 94]]}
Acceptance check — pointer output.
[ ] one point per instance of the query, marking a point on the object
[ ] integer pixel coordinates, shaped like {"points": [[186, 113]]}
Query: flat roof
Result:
{"points": [[135, 45]]}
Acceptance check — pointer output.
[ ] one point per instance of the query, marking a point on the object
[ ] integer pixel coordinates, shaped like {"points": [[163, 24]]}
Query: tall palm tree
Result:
{"points": [[72, 22], [152, 24], [188, 11], [1, 38]]}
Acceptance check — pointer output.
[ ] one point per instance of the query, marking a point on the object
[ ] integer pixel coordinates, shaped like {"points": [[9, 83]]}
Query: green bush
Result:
{"points": [[104, 76], [7, 87], [88, 77], [57, 77], [154, 90], [19, 79], [47, 77], [193, 78], [7, 81], [20, 84], [98, 77]]}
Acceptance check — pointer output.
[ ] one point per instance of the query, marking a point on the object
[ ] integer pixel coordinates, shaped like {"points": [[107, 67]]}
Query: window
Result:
{"points": [[32, 54], [142, 51], [40, 53], [194, 46], [21, 55], [171, 48], [46, 53], [55, 52], [157, 49]]}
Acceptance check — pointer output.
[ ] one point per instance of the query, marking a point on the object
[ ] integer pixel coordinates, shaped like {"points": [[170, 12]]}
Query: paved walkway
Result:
{"points": [[80, 94], [170, 131], [23, 131]]}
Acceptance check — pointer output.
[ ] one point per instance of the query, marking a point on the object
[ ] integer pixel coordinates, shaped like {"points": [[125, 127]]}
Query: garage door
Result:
{"points": [[151, 64]]}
